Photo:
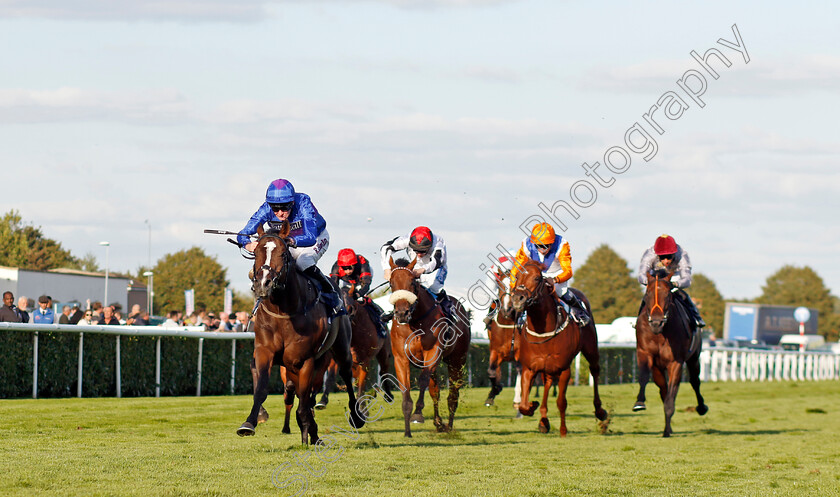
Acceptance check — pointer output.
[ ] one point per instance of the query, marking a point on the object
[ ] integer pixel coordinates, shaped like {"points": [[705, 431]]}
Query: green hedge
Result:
{"points": [[58, 362]]}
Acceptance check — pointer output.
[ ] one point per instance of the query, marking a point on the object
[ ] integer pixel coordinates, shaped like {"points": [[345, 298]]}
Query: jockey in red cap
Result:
{"points": [[352, 270], [430, 269], [667, 255]]}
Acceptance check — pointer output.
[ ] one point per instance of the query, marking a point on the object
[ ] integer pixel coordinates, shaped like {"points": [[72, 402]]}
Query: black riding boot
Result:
{"points": [[690, 307], [330, 295], [491, 313], [376, 313], [445, 303], [579, 312]]}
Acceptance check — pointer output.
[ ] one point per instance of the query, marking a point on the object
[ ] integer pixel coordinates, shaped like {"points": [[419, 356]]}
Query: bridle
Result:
{"points": [[530, 296], [413, 288], [274, 274], [530, 300], [656, 302]]}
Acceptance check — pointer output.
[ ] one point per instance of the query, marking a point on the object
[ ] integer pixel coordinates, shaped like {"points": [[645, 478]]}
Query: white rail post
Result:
{"points": [[35, 366], [233, 366], [157, 367], [200, 354], [119, 373], [81, 362]]}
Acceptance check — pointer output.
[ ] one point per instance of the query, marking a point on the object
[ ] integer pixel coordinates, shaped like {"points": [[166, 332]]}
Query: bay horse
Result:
{"points": [[364, 346], [549, 342], [423, 336], [291, 328], [665, 339], [504, 342]]}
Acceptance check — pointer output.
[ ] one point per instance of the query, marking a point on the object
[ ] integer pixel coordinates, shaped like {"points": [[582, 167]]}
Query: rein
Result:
{"points": [[551, 334], [531, 300], [500, 325]]}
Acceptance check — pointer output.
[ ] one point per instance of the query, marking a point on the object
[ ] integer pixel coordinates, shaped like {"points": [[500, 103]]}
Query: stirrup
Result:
{"points": [[580, 316]]}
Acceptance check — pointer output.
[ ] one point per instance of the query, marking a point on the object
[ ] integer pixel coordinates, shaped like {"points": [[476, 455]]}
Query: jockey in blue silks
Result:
{"points": [[308, 230]]}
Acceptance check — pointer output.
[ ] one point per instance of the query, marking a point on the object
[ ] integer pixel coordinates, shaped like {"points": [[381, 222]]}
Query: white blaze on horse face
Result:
{"points": [[269, 248]]}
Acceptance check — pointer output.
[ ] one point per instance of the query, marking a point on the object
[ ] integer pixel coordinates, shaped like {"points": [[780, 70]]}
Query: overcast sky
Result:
{"points": [[463, 115]]}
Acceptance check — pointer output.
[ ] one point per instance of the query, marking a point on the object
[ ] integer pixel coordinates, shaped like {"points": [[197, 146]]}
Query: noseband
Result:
{"points": [[413, 289]]}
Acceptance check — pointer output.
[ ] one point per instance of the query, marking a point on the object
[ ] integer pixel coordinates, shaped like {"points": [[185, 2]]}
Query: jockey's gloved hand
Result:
{"points": [[291, 242]]}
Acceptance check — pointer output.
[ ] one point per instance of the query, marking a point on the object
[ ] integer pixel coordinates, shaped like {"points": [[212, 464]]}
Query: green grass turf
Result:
{"points": [[758, 439]]}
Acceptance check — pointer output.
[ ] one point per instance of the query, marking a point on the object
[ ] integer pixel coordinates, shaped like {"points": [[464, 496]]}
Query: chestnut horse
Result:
{"points": [[549, 342], [364, 346], [421, 335], [291, 328], [504, 343], [665, 339]]}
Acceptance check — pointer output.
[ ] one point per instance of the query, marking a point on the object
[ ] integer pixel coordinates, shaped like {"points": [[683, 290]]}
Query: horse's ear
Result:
{"points": [[413, 263], [260, 230], [668, 278], [284, 230], [391, 262]]}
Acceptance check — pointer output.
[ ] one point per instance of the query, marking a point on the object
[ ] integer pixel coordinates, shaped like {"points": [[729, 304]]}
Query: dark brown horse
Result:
{"points": [[422, 336], [364, 346], [550, 341], [665, 339], [504, 342], [291, 328]]}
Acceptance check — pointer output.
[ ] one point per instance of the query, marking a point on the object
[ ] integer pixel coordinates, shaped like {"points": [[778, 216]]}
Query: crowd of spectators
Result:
{"points": [[97, 314]]}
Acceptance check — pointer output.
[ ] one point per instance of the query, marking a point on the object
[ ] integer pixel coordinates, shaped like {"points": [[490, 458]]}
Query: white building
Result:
{"points": [[67, 286]]}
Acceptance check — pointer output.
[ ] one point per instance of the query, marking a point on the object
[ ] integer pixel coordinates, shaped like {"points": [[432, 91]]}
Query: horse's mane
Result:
{"points": [[402, 262]]}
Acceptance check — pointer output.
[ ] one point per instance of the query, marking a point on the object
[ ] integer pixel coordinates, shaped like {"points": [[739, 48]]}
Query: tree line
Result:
{"points": [[605, 277]]}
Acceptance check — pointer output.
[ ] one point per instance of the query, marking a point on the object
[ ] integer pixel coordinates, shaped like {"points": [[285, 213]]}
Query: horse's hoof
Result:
{"points": [[518, 415], [407, 435], [702, 409], [417, 418], [246, 430], [530, 410], [262, 417], [286, 430], [321, 406], [489, 402], [441, 428], [639, 406], [601, 414], [357, 421], [666, 435], [544, 425]]}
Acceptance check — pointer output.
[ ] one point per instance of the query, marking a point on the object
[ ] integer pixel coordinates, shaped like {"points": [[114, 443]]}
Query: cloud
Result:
{"points": [[241, 11], [779, 76], [158, 106], [136, 10]]}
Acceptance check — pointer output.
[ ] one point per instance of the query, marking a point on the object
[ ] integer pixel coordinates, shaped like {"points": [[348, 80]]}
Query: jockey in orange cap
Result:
{"points": [[553, 253], [668, 256], [352, 270]]}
